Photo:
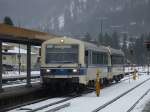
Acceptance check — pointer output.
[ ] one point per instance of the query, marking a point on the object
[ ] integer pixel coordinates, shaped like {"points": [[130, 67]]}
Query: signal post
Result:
{"points": [[147, 45]]}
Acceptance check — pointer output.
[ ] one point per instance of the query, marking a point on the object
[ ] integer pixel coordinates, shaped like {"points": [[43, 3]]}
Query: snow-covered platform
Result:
{"points": [[13, 76], [16, 90]]}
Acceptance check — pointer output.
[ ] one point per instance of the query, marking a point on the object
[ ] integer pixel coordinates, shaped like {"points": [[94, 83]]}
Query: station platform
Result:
{"points": [[16, 95], [18, 77], [11, 91]]}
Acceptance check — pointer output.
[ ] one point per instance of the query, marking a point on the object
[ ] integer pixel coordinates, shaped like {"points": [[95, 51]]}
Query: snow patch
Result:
{"points": [[72, 5], [132, 23], [52, 23], [83, 1], [61, 21], [119, 8]]}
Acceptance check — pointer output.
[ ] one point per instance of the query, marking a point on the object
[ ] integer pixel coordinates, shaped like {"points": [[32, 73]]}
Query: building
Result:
{"points": [[12, 55]]}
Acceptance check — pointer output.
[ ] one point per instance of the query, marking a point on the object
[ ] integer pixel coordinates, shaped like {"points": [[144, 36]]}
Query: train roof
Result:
{"points": [[116, 52], [91, 46], [101, 48]]}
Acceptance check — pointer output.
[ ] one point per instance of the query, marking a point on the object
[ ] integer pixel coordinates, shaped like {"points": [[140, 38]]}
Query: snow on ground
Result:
{"points": [[124, 103], [89, 102], [37, 105], [140, 69], [16, 73], [19, 84], [141, 105]]}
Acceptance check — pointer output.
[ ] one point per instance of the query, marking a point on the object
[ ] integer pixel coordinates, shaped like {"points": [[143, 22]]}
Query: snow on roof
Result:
{"points": [[16, 50]]}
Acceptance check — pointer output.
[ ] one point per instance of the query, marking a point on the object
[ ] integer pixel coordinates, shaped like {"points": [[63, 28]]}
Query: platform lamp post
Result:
{"points": [[132, 65], [1, 67], [19, 59], [29, 64], [128, 64], [131, 54], [147, 45]]}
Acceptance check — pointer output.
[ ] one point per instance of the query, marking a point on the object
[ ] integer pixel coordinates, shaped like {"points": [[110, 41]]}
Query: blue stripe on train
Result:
{"points": [[68, 72]]}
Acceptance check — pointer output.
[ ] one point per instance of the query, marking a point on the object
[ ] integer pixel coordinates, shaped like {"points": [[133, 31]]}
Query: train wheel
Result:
{"points": [[105, 82], [76, 87], [62, 87], [115, 78], [82, 87]]}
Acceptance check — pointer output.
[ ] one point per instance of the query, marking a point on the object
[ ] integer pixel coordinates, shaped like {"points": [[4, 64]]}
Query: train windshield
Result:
{"points": [[61, 54]]}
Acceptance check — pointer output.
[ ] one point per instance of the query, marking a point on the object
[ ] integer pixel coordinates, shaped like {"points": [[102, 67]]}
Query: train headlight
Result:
{"points": [[74, 70], [48, 70], [62, 41]]}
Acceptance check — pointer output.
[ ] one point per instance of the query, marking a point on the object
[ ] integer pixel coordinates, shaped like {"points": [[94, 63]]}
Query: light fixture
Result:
{"points": [[74, 70], [62, 41], [48, 70]]}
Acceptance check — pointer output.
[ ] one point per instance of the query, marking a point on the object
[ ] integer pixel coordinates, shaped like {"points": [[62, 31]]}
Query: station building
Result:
{"points": [[13, 55]]}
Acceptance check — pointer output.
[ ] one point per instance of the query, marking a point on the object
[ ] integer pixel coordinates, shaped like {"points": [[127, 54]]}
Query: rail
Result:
{"points": [[58, 107], [132, 107], [118, 97]]}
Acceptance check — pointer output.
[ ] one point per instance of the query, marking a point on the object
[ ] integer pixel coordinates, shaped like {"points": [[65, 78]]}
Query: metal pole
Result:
{"points": [[129, 72], [148, 64], [29, 64], [1, 67], [101, 26], [19, 57]]}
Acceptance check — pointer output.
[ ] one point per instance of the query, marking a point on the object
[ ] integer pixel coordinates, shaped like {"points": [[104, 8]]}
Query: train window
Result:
{"points": [[62, 54], [116, 59], [86, 57], [99, 58], [86, 53]]}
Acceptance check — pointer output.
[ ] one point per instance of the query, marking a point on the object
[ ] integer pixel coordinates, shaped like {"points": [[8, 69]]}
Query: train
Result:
{"points": [[72, 63]]}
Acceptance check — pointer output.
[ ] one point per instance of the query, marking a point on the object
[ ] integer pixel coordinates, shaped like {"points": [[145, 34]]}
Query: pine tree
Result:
{"points": [[87, 37], [107, 40], [124, 46], [8, 21], [115, 41], [100, 39]]}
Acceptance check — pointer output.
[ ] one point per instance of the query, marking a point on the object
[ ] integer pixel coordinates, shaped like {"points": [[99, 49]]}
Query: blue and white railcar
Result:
{"points": [[70, 61]]}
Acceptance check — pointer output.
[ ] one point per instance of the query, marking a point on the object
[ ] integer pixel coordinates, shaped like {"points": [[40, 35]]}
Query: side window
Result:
{"points": [[94, 58], [86, 57], [99, 58], [117, 59], [105, 59]]}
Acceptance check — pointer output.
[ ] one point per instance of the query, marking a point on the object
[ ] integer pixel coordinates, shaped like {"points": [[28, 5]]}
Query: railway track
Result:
{"points": [[21, 105], [134, 105], [122, 95], [59, 102], [51, 104], [58, 107]]}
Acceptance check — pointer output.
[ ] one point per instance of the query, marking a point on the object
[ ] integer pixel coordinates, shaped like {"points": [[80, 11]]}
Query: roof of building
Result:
{"points": [[21, 35]]}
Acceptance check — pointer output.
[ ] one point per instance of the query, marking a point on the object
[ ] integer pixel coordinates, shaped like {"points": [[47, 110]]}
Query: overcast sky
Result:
{"points": [[24, 12]]}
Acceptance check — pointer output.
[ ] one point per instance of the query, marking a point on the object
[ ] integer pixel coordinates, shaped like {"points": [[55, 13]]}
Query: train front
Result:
{"points": [[61, 65]]}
